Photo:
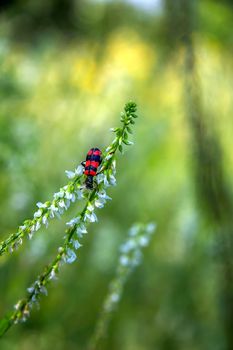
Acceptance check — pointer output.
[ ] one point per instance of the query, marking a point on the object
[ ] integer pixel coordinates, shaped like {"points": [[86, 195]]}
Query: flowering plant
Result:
{"points": [[77, 227], [130, 256]]}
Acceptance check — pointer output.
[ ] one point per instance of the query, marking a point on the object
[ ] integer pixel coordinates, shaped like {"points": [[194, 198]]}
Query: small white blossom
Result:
{"points": [[70, 196], [81, 229], [100, 178], [112, 180], [31, 289], [45, 220], [59, 194], [73, 222], [91, 217], [106, 183], [80, 193], [62, 204], [108, 156], [30, 234], [151, 227], [124, 260], [38, 213], [41, 205], [43, 290], [90, 207], [37, 226], [20, 241], [11, 249], [17, 306], [137, 258], [70, 256], [133, 231], [52, 275], [127, 246], [114, 167], [99, 202], [103, 195], [53, 210], [114, 297], [70, 174], [144, 241], [79, 170], [76, 243]]}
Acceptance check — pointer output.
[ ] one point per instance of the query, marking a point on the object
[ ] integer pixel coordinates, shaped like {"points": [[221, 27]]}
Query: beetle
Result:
{"points": [[93, 161]]}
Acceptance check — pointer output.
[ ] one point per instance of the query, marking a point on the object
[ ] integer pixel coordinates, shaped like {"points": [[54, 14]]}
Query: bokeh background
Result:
{"points": [[67, 69]]}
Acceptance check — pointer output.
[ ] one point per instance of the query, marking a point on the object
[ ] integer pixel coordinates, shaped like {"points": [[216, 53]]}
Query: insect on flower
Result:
{"points": [[93, 161]]}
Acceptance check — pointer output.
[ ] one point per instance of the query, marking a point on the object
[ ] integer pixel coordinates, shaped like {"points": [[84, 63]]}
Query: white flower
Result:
{"points": [[45, 220], [53, 210], [43, 290], [37, 226], [124, 260], [38, 213], [31, 289], [108, 156], [91, 217], [41, 205], [90, 207], [70, 196], [59, 194], [150, 227], [103, 195], [99, 203], [76, 243], [133, 231], [114, 297], [114, 166], [144, 241], [112, 180], [80, 193], [106, 183], [135, 261], [108, 149], [52, 275], [79, 170], [70, 256], [62, 204], [30, 234], [72, 222], [128, 245], [17, 306], [81, 229], [100, 178], [20, 241], [70, 174]]}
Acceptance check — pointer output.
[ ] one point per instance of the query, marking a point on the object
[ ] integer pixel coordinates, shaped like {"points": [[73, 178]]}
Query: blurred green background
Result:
{"points": [[67, 69]]}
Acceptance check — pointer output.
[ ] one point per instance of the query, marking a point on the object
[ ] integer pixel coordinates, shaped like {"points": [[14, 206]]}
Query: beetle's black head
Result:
{"points": [[89, 182]]}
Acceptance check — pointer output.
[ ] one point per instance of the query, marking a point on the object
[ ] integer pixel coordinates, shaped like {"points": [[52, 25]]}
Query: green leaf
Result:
{"points": [[5, 323], [129, 130], [127, 142], [120, 148]]}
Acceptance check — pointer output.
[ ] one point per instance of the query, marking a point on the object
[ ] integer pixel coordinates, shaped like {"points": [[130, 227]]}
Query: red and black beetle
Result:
{"points": [[93, 161]]}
